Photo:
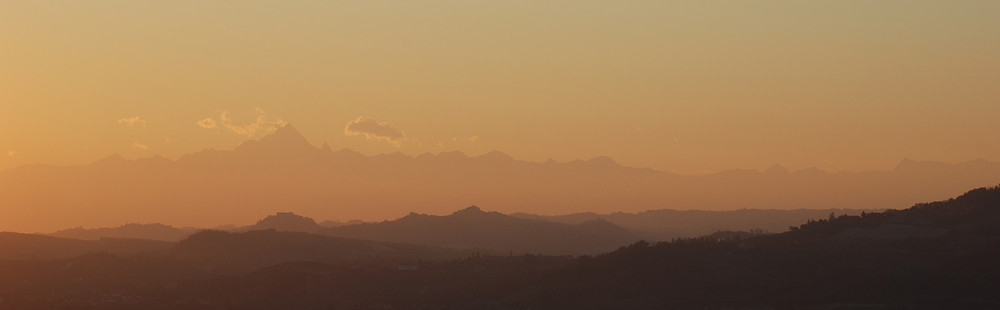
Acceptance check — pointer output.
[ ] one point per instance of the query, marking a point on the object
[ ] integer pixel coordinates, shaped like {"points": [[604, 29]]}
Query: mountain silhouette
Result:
{"points": [[492, 231], [130, 231], [810, 267], [284, 172], [938, 255], [667, 224], [285, 221], [32, 246]]}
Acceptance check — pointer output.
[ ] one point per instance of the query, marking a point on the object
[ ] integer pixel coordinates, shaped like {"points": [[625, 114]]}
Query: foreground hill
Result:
{"points": [[931, 256], [665, 225], [29, 246], [260, 248], [472, 228], [811, 267], [938, 255], [284, 172]]}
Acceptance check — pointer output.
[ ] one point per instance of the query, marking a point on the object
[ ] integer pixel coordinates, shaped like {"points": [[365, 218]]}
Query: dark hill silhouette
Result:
{"points": [[806, 268], [285, 221], [30, 246], [238, 252], [130, 231], [666, 225], [284, 172], [809, 267], [474, 228]]}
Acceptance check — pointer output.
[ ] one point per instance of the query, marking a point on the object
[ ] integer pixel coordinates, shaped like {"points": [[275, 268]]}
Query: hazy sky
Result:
{"points": [[682, 86]]}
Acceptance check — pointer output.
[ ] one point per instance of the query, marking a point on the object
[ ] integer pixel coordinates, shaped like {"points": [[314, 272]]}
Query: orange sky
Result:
{"points": [[677, 86]]}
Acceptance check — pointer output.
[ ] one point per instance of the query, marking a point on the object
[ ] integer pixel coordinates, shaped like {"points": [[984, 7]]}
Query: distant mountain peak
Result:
{"points": [[348, 151], [286, 133], [110, 160], [285, 216], [452, 155], [777, 169], [287, 129], [469, 210], [603, 161], [286, 221], [398, 155], [285, 138], [496, 155], [910, 164]]}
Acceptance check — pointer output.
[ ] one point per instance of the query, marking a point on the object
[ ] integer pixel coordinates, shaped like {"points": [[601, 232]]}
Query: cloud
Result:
{"points": [[11, 153], [139, 146], [207, 123], [249, 129], [374, 130], [132, 121]]}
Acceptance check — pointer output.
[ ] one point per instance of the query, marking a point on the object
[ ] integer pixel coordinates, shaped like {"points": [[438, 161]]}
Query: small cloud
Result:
{"points": [[374, 130], [636, 129], [207, 123], [132, 121], [261, 124], [166, 139], [11, 153], [139, 146], [465, 139], [676, 139]]}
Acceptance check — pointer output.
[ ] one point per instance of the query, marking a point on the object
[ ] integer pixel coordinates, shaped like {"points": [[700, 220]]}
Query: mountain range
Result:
{"points": [[939, 255], [473, 228], [283, 171]]}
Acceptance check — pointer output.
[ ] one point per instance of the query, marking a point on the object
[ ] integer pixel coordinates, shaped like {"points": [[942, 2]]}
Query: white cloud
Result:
{"points": [[132, 121], [374, 130], [139, 146], [260, 125], [207, 123]]}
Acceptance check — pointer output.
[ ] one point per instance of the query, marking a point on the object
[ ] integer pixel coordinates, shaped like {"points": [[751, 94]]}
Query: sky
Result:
{"points": [[678, 86]]}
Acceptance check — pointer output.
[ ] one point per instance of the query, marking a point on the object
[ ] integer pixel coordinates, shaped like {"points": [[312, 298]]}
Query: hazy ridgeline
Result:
{"points": [[283, 172], [583, 233], [932, 255]]}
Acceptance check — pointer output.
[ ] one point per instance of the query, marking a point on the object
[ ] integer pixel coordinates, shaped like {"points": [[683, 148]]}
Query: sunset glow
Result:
{"points": [[686, 87]]}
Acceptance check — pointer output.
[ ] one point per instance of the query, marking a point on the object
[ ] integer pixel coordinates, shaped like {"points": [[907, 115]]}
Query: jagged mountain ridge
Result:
{"points": [[284, 172]]}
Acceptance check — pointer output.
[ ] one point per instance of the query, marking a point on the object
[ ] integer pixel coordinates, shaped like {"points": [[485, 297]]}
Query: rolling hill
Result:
{"points": [[473, 228]]}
